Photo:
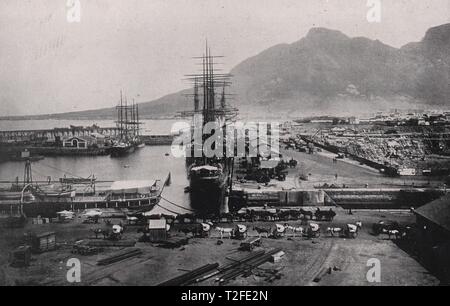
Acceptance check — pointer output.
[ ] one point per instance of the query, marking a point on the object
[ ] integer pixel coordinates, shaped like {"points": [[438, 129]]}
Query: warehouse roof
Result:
{"points": [[437, 211]]}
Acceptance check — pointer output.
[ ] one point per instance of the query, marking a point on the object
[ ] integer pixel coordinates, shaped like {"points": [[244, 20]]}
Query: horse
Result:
{"points": [[196, 229], [262, 230], [294, 229], [396, 233], [268, 215], [295, 214], [224, 230], [334, 230], [98, 231], [306, 213], [327, 215], [284, 215]]}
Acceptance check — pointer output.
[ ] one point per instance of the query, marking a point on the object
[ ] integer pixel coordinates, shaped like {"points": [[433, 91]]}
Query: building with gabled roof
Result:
{"points": [[433, 236]]}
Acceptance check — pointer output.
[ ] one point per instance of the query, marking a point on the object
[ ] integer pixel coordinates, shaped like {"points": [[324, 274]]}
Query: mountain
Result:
{"points": [[326, 71], [329, 72], [432, 80]]}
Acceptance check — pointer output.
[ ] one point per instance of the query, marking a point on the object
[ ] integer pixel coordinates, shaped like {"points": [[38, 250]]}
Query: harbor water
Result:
{"points": [[147, 163]]}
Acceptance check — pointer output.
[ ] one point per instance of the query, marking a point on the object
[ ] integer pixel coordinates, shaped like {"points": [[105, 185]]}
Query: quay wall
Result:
{"points": [[12, 150], [355, 198], [157, 140], [334, 149]]}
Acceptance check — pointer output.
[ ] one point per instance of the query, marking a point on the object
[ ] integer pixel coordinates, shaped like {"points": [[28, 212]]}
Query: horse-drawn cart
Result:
{"points": [[313, 231], [250, 244]]}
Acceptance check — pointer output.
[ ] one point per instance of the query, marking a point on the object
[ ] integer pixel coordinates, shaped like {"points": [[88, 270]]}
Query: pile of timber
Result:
{"points": [[190, 277], [119, 256], [237, 267], [110, 243], [245, 267]]}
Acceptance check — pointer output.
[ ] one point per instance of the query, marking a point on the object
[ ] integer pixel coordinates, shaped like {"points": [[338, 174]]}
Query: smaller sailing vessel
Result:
{"points": [[121, 149], [128, 124]]}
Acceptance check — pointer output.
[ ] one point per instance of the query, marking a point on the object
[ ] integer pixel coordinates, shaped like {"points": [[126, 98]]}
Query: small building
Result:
{"points": [[20, 257], [42, 242], [353, 120], [157, 230], [75, 143], [97, 139], [433, 236]]}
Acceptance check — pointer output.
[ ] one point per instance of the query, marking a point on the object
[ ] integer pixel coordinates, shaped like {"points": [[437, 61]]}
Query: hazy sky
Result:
{"points": [[144, 47]]}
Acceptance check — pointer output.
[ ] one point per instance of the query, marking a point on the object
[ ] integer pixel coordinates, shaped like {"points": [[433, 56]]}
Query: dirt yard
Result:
{"points": [[304, 260]]}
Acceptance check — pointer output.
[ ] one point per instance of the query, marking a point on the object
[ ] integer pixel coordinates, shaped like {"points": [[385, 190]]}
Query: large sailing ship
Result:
{"points": [[128, 124], [209, 176]]}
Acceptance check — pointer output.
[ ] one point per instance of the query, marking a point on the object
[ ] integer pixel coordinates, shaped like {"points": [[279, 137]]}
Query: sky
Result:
{"points": [[145, 47]]}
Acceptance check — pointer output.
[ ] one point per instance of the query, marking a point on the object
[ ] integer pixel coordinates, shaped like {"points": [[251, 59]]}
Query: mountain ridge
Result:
{"points": [[327, 72]]}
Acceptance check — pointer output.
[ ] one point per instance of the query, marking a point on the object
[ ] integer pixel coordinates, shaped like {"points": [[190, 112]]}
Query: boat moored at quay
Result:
{"points": [[47, 200], [34, 199]]}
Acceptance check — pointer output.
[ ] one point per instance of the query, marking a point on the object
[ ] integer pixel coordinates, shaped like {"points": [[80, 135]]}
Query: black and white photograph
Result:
{"points": [[224, 146]]}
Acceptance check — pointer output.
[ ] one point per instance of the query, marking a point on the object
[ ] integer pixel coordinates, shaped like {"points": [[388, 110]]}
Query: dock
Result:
{"points": [[157, 140]]}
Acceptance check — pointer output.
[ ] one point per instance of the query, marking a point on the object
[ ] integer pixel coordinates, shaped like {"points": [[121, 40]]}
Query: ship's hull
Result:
{"points": [[207, 195], [49, 208], [121, 151]]}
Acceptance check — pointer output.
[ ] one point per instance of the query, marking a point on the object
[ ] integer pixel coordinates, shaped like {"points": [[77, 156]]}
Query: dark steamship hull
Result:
{"points": [[207, 194]]}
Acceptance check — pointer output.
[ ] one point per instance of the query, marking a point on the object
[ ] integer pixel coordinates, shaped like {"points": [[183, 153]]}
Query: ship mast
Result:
{"points": [[196, 99], [137, 120], [126, 119], [120, 116], [207, 79]]}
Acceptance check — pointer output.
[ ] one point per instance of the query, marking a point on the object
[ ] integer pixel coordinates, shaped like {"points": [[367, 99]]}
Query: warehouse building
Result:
{"points": [[433, 236]]}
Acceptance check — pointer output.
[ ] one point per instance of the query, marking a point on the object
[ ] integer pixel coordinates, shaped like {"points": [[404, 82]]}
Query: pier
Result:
{"points": [[354, 198], [55, 134]]}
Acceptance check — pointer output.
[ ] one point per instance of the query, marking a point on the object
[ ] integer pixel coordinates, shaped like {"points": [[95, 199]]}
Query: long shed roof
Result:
{"points": [[437, 211]]}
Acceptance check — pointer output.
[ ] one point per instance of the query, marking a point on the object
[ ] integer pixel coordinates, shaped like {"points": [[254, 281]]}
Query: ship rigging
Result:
{"points": [[209, 176]]}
